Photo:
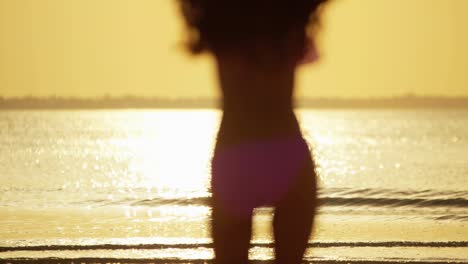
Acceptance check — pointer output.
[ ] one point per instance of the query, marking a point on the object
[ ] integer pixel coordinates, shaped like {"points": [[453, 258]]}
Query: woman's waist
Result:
{"points": [[258, 118], [279, 143], [235, 132]]}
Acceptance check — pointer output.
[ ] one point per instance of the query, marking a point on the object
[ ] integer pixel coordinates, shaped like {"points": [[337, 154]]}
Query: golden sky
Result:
{"points": [[119, 47]]}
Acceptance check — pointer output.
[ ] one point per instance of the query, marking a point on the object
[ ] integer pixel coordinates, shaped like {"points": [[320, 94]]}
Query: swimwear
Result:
{"points": [[258, 173]]}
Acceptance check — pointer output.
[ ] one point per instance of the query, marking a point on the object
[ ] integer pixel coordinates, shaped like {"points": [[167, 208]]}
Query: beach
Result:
{"points": [[107, 186], [81, 235]]}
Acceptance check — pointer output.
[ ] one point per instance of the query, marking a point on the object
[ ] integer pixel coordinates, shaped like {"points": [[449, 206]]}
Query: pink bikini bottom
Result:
{"points": [[259, 173]]}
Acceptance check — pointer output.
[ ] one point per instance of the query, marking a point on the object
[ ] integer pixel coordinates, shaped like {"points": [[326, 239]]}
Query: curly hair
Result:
{"points": [[217, 24]]}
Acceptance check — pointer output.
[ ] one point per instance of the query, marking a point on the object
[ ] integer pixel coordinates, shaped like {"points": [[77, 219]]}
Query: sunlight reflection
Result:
{"points": [[174, 158]]}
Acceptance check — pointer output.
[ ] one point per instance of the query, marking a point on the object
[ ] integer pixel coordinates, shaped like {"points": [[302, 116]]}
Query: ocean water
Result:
{"points": [[134, 184]]}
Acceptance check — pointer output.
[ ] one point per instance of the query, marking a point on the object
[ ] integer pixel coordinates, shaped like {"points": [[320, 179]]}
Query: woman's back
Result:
{"points": [[256, 101]]}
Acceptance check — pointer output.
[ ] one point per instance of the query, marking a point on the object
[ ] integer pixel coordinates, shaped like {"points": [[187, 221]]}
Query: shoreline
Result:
{"points": [[311, 244], [203, 261]]}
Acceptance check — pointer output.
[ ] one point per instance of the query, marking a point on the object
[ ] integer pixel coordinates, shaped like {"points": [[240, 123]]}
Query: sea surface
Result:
{"points": [[103, 186]]}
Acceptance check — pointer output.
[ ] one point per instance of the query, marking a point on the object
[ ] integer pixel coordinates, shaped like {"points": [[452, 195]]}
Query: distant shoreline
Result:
{"points": [[129, 102]]}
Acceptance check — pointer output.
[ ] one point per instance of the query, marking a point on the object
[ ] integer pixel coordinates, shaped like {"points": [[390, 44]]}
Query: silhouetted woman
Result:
{"points": [[261, 158]]}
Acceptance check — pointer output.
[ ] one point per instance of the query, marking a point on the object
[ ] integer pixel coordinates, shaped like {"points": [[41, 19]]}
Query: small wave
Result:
{"points": [[452, 217], [207, 261], [392, 193], [324, 201], [394, 202], [448, 244], [366, 198], [175, 201]]}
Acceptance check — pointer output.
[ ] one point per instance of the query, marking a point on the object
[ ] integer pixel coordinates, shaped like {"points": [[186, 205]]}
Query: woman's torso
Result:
{"points": [[256, 114], [259, 151]]}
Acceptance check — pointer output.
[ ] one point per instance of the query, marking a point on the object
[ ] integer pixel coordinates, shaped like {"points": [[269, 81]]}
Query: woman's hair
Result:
{"points": [[219, 24]]}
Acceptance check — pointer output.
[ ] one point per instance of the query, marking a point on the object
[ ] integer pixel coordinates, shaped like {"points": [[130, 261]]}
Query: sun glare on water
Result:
{"points": [[174, 158]]}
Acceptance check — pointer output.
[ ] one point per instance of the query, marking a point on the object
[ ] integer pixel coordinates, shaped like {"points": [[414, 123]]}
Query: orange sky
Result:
{"points": [[117, 47]]}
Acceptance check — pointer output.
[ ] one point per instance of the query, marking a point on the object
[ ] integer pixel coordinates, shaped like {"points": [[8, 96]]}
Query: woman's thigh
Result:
{"points": [[231, 235], [294, 215]]}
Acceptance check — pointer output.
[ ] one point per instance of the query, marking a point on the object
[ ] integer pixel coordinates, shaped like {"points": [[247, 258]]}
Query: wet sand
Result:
{"points": [[161, 236], [166, 223]]}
